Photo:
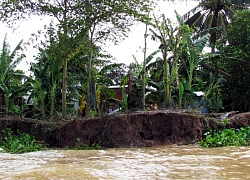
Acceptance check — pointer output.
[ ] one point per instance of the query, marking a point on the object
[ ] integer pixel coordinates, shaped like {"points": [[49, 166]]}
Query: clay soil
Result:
{"points": [[139, 129]]}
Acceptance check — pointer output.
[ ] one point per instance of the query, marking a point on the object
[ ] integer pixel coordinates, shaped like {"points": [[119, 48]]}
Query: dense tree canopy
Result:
{"points": [[236, 90]]}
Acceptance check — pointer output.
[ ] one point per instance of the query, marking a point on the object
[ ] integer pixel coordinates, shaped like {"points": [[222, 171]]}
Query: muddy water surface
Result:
{"points": [[165, 162]]}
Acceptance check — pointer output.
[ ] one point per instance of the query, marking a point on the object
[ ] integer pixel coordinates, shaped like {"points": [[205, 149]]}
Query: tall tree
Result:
{"points": [[110, 20], [144, 67]]}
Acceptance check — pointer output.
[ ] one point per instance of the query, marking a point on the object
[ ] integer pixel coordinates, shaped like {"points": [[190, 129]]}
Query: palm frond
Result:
{"points": [[17, 61], [154, 84], [222, 22], [151, 56], [216, 69], [156, 64], [201, 42], [4, 56], [204, 32], [192, 12], [110, 67], [193, 21], [124, 80], [14, 62], [178, 17], [229, 11], [18, 92], [208, 21]]}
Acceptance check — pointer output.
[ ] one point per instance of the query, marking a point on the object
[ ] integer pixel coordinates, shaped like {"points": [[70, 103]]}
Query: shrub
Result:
{"points": [[19, 142], [227, 137]]}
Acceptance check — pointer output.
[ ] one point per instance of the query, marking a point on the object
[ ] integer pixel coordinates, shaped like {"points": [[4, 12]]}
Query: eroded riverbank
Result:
{"points": [[140, 129]]}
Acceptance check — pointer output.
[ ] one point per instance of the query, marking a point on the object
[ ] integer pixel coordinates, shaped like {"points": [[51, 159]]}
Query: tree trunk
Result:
{"points": [[52, 107], [88, 86], [89, 79], [64, 90], [65, 65], [42, 107], [166, 80], [52, 99], [144, 70], [7, 102], [166, 83]]}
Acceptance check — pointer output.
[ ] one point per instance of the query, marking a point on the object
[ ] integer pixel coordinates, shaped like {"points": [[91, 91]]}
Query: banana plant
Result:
{"points": [[173, 42], [45, 83], [195, 48], [40, 96], [11, 79], [156, 91]]}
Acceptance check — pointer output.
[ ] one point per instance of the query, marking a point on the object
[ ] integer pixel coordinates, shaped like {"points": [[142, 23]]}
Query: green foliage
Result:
{"points": [[236, 90], [173, 42], [18, 143], [124, 99], [11, 79], [93, 113], [182, 50], [213, 97], [227, 137], [110, 74]]}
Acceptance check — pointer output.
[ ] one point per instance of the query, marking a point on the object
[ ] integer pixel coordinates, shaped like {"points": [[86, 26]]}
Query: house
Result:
{"points": [[113, 103], [118, 91]]}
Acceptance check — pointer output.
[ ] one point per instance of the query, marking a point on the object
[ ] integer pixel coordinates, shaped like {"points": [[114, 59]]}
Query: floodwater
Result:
{"points": [[164, 162]]}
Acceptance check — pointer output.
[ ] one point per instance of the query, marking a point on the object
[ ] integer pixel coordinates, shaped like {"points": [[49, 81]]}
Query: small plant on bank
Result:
{"points": [[227, 137], [94, 146], [19, 142]]}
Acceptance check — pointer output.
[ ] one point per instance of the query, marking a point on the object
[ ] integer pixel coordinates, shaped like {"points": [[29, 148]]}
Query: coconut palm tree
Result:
{"points": [[209, 14]]}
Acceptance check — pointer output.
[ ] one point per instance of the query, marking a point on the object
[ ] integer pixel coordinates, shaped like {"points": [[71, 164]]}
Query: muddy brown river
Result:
{"points": [[164, 162]]}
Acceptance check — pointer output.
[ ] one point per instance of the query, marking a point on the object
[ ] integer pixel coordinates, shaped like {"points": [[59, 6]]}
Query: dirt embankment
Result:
{"points": [[127, 130]]}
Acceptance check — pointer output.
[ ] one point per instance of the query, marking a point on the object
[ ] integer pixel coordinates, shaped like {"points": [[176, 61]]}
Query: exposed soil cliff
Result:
{"points": [[131, 130], [126, 130]]}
